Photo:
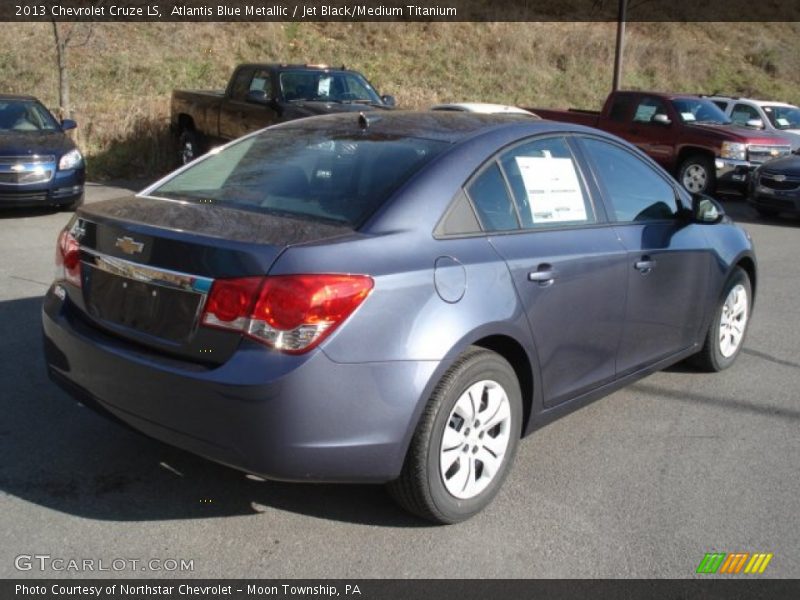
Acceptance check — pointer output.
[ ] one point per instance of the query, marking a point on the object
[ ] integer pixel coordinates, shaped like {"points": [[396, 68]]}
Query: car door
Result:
{"points": [[668, 259], [653, 137], [239, 117], [567, 264]]}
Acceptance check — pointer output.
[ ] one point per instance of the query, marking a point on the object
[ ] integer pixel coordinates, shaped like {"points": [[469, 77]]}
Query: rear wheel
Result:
{"points": [[697, 175], [726, 335], [465, 441]]}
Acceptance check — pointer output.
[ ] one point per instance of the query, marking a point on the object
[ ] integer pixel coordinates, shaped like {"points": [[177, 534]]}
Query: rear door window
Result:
{"points": [[620, 107], [241, 84], [546, 184]]}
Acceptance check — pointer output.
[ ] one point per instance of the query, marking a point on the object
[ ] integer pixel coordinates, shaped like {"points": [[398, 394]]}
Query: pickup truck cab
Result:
{"points": [[260, 95], [687, 135], [775, 117]]}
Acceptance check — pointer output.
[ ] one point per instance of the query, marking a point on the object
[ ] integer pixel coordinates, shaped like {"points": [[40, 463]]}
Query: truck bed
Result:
{"points": [[590, 118]]}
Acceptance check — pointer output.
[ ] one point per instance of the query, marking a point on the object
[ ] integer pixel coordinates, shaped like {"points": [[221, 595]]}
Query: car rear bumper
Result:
{"points": [[65, 188], [296, 418]]}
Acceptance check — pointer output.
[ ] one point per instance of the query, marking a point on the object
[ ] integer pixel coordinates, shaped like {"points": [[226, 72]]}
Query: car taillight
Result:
{"points": [[291, 313], [68, 258]]}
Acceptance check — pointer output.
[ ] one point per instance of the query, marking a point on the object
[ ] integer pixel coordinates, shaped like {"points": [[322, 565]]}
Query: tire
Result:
{"points": [[724, 340], [433, 483], [766, 212], [189, 146], [697, 175]]}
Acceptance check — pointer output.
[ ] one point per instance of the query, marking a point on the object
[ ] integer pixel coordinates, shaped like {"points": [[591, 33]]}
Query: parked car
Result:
{"points": [[483, 107], [259, 95], [396, 298], [687, 135], [774, 117], [39, 164], [776, 187]]}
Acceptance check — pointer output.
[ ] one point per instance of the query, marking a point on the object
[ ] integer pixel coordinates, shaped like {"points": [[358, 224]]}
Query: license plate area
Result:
{"points": [[155, 310]]}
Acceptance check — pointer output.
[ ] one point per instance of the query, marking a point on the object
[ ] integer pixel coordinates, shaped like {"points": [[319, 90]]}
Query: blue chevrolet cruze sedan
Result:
{"points": [[39, 165], [395, 298]]}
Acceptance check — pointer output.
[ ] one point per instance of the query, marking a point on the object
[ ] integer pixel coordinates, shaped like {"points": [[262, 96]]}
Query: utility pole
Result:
{"points": [[623, 7]]}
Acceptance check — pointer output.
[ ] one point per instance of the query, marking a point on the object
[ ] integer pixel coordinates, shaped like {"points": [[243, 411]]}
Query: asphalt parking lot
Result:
{"points": [[639, 484]]}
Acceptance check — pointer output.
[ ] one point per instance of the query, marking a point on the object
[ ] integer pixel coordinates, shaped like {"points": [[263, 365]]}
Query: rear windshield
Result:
{"points": [[341, 177]]}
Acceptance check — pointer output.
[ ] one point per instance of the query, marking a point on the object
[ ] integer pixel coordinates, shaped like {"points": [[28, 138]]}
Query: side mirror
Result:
{"points": [[68, 124], [661, 119], [706, 210], [258, 97], [755, 124], [389, 101]]}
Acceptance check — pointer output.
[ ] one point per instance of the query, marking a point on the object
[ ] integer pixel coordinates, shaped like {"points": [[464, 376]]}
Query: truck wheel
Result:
{"points": [[697, 175], [188, 147], [465, 440]]}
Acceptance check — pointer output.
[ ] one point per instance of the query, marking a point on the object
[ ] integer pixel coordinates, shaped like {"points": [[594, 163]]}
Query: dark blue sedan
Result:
{"points": [[39, 165], [393, 298]]}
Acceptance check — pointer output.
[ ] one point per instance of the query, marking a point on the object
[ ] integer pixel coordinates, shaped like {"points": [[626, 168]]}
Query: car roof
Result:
{"points": [[17, 97], [482, 107], [752, 101], [443, 125], [305, 67]]}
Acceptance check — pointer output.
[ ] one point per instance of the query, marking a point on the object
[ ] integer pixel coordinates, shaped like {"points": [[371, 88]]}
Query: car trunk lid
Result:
{"points": [[148, 265]]}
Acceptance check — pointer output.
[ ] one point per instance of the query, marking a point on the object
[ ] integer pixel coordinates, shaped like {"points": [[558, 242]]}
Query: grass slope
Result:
{"points": [[122, 78]]}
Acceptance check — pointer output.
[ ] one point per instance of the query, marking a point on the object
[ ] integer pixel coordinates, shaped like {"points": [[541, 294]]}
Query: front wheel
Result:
{"points": [[725, 337], [465, 441], [697, 174]]}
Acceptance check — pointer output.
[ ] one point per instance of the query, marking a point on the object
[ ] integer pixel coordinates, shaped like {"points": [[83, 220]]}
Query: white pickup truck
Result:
{"points": [[776, 117]]}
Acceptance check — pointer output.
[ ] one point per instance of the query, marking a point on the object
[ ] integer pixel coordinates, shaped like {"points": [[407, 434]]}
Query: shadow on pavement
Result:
{"points": [[741, 212], [64, 457]]}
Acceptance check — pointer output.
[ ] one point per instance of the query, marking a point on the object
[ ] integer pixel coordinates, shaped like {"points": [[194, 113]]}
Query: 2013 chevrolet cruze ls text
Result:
{"points": [[395, 298]]}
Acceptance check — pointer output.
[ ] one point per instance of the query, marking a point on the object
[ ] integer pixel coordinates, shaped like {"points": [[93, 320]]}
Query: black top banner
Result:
{"points": [[399, 10]]}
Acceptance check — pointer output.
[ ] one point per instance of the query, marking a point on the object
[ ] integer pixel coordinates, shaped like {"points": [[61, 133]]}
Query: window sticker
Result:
{"points": [[782, 122], [324, 87], [688, 116], [554, 193], [645, 112]]}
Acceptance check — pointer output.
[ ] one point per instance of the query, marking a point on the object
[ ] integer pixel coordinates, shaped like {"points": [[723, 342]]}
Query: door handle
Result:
{"points": [[544, 275], [645, 265]]}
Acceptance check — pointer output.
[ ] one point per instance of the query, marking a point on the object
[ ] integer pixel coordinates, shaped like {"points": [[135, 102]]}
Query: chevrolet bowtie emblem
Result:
{"points": [[129, 245]]}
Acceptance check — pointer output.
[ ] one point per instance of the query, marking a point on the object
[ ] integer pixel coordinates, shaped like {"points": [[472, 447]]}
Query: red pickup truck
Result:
{"points": [[687, 135]]}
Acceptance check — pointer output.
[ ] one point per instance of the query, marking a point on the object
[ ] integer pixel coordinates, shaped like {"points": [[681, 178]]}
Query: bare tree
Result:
{"points": [[65, 36]]}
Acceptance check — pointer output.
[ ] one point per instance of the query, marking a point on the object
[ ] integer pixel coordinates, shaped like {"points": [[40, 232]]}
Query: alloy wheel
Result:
{"points": [[475, 439], [733, 321]]}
